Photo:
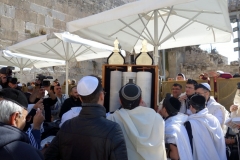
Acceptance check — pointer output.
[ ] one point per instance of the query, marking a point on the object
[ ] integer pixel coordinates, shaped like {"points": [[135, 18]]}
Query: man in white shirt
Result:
{"points": [[214, 107], [176, 137], [176, 93], [73, 112], [185, 98], [204, 130]]}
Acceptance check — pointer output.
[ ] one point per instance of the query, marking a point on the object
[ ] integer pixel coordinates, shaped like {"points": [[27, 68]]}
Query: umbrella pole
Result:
{"points": [[67, 63], [21, 75], [156, 37], [66, 89], [163, 64]]}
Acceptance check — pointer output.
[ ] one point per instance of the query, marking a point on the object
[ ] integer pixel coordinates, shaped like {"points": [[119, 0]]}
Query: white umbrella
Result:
{"points": [[62, 46], [163, 23], [22, 61]]}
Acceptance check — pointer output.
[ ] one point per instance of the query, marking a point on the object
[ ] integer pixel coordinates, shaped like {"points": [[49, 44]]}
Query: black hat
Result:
{"points": [[130, 94], [5, 70], [198, 102], [15, 96], [171, 104], [12, 80]]}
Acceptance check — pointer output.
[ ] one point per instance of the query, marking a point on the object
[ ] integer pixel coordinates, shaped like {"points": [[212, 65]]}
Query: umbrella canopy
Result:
{"points": [[163, 23], [22, 61], [62, 46]]}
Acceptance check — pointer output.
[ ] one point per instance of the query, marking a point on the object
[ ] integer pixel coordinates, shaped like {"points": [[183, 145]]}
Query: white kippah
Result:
{"points": [[207, 86], [87, 85]]}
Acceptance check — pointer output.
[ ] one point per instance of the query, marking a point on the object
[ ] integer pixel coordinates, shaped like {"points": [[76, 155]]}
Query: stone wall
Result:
{"points": [[192, 61], [23, 19]]}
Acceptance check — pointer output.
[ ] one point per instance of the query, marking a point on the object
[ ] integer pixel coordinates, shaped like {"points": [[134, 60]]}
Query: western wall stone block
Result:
{"points": [[22, 14], [31, 27], [68, 18], [19, 25], [59, 24], [40, 29], [9, 11], [58, 15], [7, 23], [40, 3], [15, 3], [65, 8], [49, 3], [48, 21], [39, 9], [5, 43], [5, 1], [8, 35], [33, 17], [2, 9], [40, 19], [74, 12], [22, 5], [59, 7]]}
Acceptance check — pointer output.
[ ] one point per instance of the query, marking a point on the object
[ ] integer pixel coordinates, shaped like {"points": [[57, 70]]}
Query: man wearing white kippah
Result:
{"points": [[214, 108], [89, 135]]}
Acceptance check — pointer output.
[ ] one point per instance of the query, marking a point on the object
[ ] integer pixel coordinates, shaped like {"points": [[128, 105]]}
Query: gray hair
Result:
{"points": [[7, 108]]}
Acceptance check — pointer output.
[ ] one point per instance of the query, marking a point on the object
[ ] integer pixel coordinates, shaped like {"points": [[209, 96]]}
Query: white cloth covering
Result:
{"points": [[143, 131], [208, 138], [176, 133], [218, 111], [73, 112]]}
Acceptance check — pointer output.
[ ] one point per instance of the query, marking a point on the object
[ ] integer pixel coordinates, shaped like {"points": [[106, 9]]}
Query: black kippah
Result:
{"points": [[15, 96], [171, 104], [129, 94], [198, 102]]}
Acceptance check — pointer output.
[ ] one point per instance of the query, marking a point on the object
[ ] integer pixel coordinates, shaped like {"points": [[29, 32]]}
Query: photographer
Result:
{"points": [[39, 93], [12, 83], [5, 73]]}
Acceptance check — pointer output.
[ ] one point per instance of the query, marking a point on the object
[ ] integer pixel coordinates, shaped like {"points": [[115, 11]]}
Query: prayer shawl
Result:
{"points": [[208, 139], [176, 133], [213, 108], [143, 131]]}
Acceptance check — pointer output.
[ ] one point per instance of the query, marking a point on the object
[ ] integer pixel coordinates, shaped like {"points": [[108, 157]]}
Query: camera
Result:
{"points": [[43, 80]]}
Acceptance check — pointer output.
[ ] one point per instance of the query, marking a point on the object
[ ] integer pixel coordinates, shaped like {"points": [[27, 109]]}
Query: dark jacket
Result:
{"points": [[89, 136], [47, 102], [14, 145], [68, 104]]}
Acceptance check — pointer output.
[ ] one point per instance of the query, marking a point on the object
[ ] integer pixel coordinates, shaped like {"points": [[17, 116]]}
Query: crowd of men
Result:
{"points": [[189, 125]]}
